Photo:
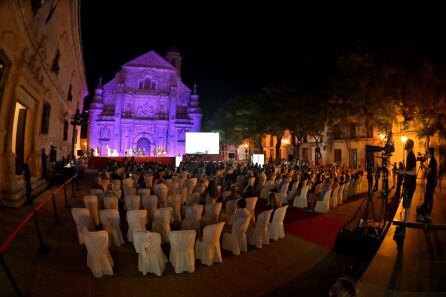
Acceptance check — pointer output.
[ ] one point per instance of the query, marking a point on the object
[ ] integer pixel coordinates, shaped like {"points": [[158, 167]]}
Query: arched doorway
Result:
{"points": [[143, 144]]}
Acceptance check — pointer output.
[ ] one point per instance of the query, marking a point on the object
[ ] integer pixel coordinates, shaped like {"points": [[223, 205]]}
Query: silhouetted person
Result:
{"points": [[27, 178], [44, 159]]}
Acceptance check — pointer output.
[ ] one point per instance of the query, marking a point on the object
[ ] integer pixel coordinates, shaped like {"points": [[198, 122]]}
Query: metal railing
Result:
{"points": [[43, 248]]}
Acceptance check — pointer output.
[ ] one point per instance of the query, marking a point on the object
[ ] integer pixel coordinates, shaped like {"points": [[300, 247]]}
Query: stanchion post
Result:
{"points": [[8, 273], [56, 217], [67, 205], [42, 247]]}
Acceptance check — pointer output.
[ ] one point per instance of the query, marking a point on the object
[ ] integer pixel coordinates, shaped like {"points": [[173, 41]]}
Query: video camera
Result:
{"points": [[421, 158], [387, 149]]}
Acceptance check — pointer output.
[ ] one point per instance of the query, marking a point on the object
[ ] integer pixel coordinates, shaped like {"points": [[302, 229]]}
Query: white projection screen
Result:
{"points": [[258, 159], [205, 143]]}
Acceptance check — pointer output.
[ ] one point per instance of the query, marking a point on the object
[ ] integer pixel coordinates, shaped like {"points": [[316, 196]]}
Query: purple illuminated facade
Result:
{"points": [[146, 107]]}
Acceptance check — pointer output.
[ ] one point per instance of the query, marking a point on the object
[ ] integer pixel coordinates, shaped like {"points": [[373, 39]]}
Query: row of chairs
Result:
{"points": [[148, 244]]}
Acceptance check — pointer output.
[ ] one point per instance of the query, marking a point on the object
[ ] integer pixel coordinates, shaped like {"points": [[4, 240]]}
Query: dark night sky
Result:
{"points": [[229, 49]]}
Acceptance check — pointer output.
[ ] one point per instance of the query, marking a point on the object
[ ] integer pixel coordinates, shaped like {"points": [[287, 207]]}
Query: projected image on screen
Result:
{"points": [[202, 143]]}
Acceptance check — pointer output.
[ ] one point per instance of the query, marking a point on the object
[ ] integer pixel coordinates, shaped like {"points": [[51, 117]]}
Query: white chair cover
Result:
{"points": [[276, 229], [92, 204], [207, 248], [161, 222], [334, 197], [265, 191], [137, 220], [82, 218], [251, 205], [110, 202], [175, 201], [283, 193], [192, 199], [193, 217], [99, 259], [261, 181], [340, 193], [132, 202], [129, 191], [231, 206], [236, 240], [161, 192], [151, 204], [143, 192], [211, 213], [293, 190], [190, 185], [324, 205], [182, 254], [110, 223], [258, 234], [151, 258], [301, 200], [173, 186]]}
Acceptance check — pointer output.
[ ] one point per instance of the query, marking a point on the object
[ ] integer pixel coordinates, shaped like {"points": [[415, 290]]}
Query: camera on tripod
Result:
{"points": [[421, 158]]}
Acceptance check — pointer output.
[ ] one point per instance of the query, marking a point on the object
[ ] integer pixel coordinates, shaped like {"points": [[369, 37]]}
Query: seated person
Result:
{"points": [[109, 192], [97, 184], [319, 194], [240, 213], [273, 201], [249, 192]]}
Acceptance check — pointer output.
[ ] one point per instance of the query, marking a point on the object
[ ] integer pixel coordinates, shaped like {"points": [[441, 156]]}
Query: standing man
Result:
{"points": [[410, 182], [424, 212], [27, 178]]}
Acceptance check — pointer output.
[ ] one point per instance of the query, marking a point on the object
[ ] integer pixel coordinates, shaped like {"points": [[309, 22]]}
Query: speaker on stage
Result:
{"points": [[80, 153]]}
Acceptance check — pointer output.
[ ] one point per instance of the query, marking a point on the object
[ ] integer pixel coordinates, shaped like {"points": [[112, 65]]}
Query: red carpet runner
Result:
{"points": [[313, 227]]}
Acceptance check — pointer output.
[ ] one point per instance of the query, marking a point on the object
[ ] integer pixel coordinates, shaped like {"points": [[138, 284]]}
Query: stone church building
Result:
{"points": [[146, 107]]}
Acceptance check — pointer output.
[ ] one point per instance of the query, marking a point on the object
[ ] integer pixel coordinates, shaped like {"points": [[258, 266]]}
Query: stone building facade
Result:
{"points": [[42, 82], [145, 108]]}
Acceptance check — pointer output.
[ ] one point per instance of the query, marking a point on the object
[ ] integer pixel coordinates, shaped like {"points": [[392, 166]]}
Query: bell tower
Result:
{"points": [[173, 56]]}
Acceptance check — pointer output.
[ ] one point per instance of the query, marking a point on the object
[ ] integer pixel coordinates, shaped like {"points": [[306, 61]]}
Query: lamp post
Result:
{"points": [[77, 119], [404, 140]]}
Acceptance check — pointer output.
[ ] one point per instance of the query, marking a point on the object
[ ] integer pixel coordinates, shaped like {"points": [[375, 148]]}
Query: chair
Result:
{"points": [[266, 189], [351, 188], [301, 200], [92, 204], [137, 220], [211, 213], [82, 218], [175, 202], [261, 181], [173, 186], [334, 197], [161, 222], [129, 191], [110, 223], [151, 204], [132, 202], [276, 229], [151, 258], [340, 192], [149, 180], [207, 248], [193, 217], [143, 192], [162, 196], [192, 199], [251, 205], [190, 185], [182, 254], [99, 259], [231, 206], [110, 202], [324, 205], [236, 240], [293, 190], [258, 234], [283, 193]]}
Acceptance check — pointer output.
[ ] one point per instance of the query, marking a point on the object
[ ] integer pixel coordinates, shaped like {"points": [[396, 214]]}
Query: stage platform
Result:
{"points": [[99, 162]]}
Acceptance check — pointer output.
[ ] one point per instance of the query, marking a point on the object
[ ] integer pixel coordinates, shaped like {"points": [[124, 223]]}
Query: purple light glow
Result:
{"points": [[146, 106]]}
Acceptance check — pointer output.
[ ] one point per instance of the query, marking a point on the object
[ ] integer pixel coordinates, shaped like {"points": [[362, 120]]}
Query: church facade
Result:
{"points": [[145, 109]]}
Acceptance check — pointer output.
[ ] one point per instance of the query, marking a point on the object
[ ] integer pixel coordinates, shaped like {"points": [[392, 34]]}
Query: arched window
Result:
{"points": [[147, 84]]}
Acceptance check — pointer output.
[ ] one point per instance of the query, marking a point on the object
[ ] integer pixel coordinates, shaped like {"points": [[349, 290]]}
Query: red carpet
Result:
{"points": [[316, 228]]}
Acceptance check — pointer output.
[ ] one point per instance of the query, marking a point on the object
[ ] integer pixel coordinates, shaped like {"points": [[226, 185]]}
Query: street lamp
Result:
{"points": [[404, 140], [77, 119]]}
